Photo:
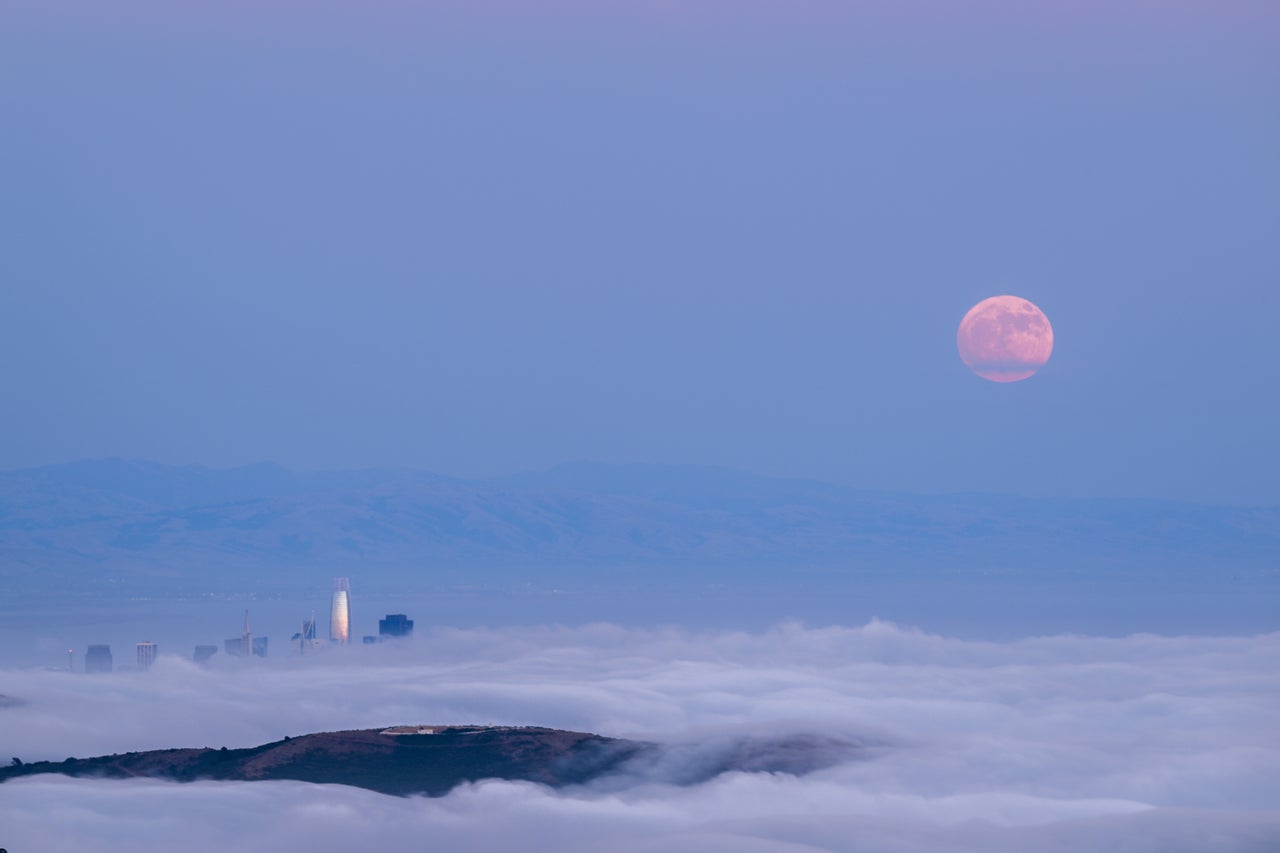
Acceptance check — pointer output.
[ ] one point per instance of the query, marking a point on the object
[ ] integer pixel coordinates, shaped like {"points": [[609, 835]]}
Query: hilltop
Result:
{"points": [[432, 760]]}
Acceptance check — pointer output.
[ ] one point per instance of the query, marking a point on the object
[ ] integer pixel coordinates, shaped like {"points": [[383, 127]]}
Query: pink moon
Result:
{"points": [[1005, 339]]}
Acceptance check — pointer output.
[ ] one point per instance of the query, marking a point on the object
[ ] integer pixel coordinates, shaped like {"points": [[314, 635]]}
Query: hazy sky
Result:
{"points": [[483, 237]]}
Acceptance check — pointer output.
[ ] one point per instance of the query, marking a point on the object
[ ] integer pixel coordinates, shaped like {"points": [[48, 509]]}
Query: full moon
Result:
{"points": [[1005, 339]]}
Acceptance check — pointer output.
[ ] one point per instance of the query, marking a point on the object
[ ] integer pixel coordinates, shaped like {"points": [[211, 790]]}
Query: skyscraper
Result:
{"points": [[146, 654], [340, 612], [97, 659], [306, 638], [395, 625], [203, 653], [242, 646]]}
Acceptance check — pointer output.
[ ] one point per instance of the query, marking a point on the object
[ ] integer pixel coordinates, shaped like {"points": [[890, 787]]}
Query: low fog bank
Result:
{"points": [[1067, 742], [742, 813]]}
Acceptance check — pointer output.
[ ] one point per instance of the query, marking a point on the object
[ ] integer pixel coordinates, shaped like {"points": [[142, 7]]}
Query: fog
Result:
{"points": [[1068, 742]]}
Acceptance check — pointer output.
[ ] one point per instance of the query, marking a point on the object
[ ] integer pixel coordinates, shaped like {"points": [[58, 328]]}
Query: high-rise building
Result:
{"points": [[203, 653], [242, 646], [340, 612], [305, 639], [395, 625], [147, 654], [98, 659]]}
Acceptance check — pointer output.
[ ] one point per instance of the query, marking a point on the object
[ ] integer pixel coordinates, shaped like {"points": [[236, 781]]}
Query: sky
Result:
{"points": [[489, 237], [1141, 743]]}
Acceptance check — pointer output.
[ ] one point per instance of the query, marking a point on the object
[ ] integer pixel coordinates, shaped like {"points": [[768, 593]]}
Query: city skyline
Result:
{"points": [[98, 656]]}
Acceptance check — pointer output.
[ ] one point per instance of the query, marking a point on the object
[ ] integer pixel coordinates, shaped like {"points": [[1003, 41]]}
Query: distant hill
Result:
{"points": [[433, 760], [393, 764], [113, 522]]}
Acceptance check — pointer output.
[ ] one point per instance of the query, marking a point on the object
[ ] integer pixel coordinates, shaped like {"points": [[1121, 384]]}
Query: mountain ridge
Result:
{"points": [[137, 523]]}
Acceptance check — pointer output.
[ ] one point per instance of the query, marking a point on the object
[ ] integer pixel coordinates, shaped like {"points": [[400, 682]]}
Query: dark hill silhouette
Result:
{"points": [[413, 761], [392, 764]]}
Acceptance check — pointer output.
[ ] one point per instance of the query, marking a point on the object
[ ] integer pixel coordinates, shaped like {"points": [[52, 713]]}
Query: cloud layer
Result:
{"points": [[1144, 742]]}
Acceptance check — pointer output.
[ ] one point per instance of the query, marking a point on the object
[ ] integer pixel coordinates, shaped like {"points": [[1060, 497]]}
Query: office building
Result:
{"points": [[340, 612], [370, 640], [305, 640], [147, 654], [395, 625], [246, 644], [241, 647], [203, 653], [98, 659]]}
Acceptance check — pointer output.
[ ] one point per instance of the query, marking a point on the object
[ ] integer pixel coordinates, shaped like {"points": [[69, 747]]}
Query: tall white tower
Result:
{"points": [[340, 612]]}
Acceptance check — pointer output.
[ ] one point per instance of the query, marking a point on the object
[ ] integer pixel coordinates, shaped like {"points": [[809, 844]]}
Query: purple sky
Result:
{"points": [[482, 238]]}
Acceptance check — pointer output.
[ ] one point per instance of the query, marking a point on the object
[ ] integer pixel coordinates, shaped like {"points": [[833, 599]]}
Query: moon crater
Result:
{"points": [[1005, 339]]}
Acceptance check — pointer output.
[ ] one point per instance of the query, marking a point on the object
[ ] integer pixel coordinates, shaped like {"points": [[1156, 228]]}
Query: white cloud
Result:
{"points": [[1143, 742]]}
